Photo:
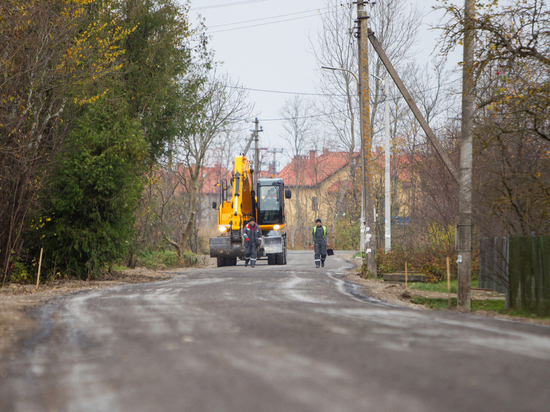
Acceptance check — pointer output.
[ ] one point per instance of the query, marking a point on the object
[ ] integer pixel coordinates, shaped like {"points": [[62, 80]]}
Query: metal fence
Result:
{"points": [[519, 267]]}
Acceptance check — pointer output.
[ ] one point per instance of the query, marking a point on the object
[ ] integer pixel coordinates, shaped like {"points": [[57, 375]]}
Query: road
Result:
{"points": [[273, 338]]}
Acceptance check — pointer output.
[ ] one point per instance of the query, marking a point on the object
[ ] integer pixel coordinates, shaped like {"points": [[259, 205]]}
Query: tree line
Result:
{"points": [[95, 96], [110, 109]]}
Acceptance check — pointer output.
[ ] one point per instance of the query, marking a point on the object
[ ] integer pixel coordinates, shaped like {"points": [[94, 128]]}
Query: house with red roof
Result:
{"points": [[318, 183], [323, 186]]}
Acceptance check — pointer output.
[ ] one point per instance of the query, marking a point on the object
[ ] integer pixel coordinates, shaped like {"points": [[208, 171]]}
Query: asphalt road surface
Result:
{"points": [[274, 338]]}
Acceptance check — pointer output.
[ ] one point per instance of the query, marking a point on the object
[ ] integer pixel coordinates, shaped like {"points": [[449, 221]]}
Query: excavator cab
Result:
{"points": [[270, 206], [270, 210], [270, 203]]}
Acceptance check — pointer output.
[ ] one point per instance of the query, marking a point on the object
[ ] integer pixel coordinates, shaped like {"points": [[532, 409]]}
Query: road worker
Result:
{"points": [[252, 240], [319, 243]]}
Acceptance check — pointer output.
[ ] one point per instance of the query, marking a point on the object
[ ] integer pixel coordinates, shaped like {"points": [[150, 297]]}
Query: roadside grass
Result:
{"points": [[165, 259], [441, 303], [491, 305], [439, 286]]}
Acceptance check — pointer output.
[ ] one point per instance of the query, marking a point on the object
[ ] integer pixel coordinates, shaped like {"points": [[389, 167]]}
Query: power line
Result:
{"points": [[267, 18], [327, 94], [237, 3], [281, 91], [303, 117], [264, 24]]}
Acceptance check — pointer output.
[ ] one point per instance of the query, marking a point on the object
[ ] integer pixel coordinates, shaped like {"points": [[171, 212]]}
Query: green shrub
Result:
{"points": [[346, 234], [20, 274], [426, 254]]}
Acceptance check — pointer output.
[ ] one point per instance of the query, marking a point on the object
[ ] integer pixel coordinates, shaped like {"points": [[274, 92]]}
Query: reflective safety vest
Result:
{"points": [[315, 232]]}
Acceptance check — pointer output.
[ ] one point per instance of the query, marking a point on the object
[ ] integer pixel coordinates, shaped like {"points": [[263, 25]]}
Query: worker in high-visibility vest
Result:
{"points": [[319, 243]]}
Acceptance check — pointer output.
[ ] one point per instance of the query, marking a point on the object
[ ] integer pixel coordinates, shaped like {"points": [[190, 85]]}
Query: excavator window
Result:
{"points": [[269, 196], [269, 205]]}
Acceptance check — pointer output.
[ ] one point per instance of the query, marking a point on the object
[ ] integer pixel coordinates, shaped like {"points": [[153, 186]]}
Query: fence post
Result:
{"points": [[537, 268], [449, 279], [406, 276], [506, 251], [481, 265]]}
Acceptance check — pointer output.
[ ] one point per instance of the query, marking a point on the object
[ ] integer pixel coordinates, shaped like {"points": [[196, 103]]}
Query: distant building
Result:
{"points": [[322, 188], [318, 183]]}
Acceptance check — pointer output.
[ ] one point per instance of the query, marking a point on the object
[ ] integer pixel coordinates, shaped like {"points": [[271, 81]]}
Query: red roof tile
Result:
{"points": [[314, 169]]}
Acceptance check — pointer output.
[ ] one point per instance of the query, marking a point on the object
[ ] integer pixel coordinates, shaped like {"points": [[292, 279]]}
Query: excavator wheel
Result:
{"points": [[231, 261], [271, 259], [280, 258], [221, 262]]}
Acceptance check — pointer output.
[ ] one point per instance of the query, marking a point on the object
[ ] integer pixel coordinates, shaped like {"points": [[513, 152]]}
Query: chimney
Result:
{"points": [[325, 151], [312, 154]]}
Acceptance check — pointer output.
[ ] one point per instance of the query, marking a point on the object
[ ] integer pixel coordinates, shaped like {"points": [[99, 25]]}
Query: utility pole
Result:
{"points": [[257, 130], [274, 163], [367, 212], [464, 227], [387, 150]]}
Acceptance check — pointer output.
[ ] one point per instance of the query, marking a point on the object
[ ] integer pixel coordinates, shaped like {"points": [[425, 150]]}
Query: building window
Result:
{"points": [[314, 204]]}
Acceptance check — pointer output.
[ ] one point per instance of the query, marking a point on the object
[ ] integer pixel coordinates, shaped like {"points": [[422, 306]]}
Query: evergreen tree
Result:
{"points": [[96, 185]]}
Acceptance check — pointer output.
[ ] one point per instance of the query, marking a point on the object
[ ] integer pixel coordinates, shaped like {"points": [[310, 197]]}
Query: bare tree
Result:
{"points": [[395, 23], [299, 133], [511, 71], [224, 105], [337, 48]]}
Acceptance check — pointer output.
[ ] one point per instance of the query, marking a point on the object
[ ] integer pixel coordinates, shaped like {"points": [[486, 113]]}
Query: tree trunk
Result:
{"points": [[186, 232]]}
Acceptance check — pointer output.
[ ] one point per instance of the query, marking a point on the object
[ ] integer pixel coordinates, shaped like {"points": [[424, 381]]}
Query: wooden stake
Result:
{"points": [[449, 279], [406, 276], [39, 266]]}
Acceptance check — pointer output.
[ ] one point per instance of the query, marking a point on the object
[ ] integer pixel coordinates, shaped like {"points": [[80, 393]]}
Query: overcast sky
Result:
{"points": [[266, 45]]}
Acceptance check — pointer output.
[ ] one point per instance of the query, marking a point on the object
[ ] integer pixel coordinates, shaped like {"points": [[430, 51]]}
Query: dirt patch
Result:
{"points": [[16, 301], [394, 294]]}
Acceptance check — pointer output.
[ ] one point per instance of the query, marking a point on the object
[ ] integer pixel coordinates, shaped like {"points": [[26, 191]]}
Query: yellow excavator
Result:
{"points": [[238, 203]]}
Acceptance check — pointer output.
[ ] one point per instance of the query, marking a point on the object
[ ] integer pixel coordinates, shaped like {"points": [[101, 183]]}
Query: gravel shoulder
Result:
{"points": [[396, 294], [17, 301]]}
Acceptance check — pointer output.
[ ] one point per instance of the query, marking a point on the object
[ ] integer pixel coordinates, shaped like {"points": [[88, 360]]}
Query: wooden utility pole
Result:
{"points": [[273, 167], [464, 227], [369, 251]]}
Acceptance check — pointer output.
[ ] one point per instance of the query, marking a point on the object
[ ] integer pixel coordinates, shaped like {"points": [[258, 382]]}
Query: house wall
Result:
{"points": [[326, 208], [299, 227]]}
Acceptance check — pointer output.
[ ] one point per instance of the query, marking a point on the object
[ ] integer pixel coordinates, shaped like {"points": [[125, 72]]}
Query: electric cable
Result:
{"points": [[328, 94], [264, 24], [237, 3], [267, 18]]}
